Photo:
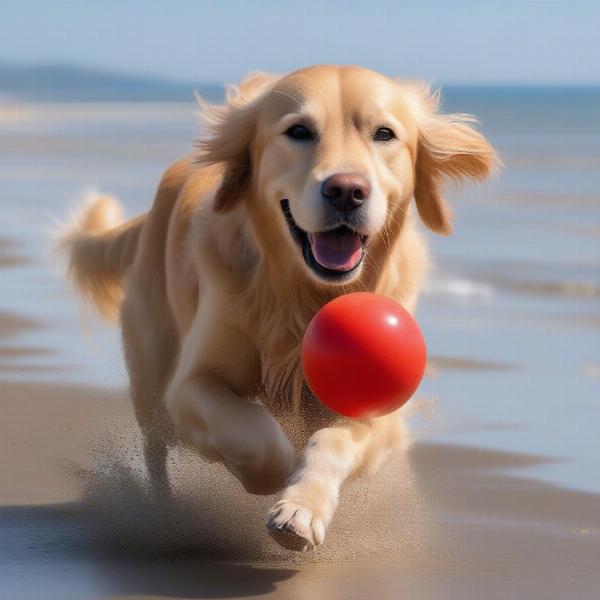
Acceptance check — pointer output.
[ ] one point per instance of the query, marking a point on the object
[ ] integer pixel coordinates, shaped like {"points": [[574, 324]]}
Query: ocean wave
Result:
{"points": [[464, 289]]}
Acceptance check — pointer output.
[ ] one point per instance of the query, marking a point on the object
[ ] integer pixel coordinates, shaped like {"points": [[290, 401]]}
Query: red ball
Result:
{"points": [[363, 355]]}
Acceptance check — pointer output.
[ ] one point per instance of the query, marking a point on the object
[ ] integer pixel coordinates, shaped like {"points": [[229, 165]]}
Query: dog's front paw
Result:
{"points": [[295, 526]]}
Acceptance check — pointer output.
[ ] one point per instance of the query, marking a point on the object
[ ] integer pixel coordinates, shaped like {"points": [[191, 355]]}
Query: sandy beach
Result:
{"points": [[76, 520], [496, 497]]}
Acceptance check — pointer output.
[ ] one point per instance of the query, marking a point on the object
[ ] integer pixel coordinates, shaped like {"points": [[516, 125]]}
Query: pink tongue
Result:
{"points": [[335, 250]]}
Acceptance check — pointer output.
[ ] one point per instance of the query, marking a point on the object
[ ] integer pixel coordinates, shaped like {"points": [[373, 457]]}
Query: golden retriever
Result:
{"points": [[299, 191]]}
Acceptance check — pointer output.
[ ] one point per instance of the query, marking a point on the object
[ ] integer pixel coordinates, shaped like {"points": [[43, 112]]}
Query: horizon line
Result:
{"points": [[146, 77]]}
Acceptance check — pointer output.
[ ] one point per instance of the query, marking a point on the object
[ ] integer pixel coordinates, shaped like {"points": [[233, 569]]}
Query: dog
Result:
{"points": [[301, 189]]}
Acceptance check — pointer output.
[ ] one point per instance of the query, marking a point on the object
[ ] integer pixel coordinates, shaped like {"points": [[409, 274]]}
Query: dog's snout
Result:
{"points": [[346, 191]]}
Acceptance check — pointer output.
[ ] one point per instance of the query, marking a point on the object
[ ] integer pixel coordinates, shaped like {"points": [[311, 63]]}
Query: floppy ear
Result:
{"points": [[448, 148], [231, 128]]}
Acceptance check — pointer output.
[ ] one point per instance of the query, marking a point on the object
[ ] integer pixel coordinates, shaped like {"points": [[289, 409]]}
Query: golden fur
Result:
{"points": [[214, 294]]}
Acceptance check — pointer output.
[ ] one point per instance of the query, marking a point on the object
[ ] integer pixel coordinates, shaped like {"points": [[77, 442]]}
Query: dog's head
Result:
{"points": [[327, 160]]}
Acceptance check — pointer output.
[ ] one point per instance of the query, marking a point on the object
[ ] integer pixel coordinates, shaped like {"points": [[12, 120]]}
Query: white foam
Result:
{"points": [[464, 289]]}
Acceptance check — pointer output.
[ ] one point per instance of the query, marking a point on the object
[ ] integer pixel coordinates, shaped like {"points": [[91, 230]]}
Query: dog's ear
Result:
{"points": [[230, 129], [448, 148]]}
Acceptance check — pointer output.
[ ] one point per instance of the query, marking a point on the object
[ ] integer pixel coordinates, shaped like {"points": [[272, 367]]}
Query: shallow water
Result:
{"points": [[511, 317]]}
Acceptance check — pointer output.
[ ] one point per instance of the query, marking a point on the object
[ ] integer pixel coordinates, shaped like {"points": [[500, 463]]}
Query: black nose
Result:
{"points": [[346, 191]]}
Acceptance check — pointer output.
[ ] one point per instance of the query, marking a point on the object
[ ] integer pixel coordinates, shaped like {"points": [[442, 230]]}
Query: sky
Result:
{"points": [[481, 42]]}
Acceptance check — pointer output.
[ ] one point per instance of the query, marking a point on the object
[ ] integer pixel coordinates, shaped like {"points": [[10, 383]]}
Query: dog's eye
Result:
{"points": [[300, 132], [384, 134]]}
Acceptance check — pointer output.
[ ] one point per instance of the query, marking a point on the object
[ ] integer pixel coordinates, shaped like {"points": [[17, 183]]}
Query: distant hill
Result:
{"points": [[57, 82], [70, 83]]}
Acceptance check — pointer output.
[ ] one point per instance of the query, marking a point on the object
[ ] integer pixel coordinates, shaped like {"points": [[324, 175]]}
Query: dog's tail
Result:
{"points": [[100, 246]]}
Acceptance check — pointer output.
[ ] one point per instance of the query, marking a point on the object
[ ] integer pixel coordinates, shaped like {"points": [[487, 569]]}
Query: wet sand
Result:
{"points": [[435, 364], [9, 256], [13, 323], [443, 521]]}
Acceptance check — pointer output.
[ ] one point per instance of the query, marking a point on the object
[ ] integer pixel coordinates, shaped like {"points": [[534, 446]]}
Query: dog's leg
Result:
{"points": [[155, 456], [242, 435], [217, 365], [299, 520], [150, 345]]}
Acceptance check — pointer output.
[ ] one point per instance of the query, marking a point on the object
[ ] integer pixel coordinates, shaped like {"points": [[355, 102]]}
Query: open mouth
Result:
{"points": [[333, 254]]}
